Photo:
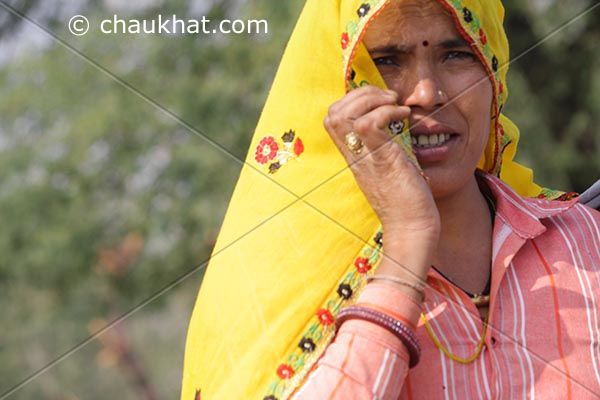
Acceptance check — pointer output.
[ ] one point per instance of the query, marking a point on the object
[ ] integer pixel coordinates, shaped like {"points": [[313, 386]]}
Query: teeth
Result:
{"points": [[430, 140]]}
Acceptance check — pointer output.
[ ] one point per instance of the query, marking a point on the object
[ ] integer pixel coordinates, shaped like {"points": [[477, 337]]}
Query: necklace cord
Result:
{"points": [[447, 352], [492, 209]]}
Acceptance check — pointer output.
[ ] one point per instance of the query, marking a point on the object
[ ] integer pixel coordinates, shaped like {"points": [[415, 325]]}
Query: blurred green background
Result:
{"points": [[117, 163]]}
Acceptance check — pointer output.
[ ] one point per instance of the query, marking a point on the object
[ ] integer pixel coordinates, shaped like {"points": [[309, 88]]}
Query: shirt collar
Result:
{"points": [[522, 214]]}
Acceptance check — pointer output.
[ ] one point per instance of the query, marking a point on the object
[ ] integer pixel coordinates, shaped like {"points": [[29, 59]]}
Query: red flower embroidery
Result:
{"points": [[500, 87], [345, 40], [500, 130], [362, 265], [285, 371], [482, 37], [325, 317], [298, 147], [266, 150]]}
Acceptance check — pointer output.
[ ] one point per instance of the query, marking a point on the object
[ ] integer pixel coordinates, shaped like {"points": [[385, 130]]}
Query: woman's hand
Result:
{"points": [[399, 195]]}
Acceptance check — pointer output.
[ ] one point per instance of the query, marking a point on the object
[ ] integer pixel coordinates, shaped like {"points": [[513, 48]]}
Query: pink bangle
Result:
{"points": [[399, 329]]}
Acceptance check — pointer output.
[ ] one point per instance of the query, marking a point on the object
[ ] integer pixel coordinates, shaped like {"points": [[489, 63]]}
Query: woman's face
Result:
{"points": [[422, 57]]}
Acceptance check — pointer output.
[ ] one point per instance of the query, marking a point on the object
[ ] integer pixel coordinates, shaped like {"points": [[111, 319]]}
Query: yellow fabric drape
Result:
{"points": [[298, 237]]}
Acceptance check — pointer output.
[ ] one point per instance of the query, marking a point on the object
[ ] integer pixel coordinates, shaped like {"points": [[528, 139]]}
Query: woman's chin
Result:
{"points": [[446, 182]]}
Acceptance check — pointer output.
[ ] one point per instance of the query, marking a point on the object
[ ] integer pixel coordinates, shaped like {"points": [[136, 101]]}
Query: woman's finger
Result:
{"points": [[364, 99], [342, 113], [374, 107], [371, 127]]}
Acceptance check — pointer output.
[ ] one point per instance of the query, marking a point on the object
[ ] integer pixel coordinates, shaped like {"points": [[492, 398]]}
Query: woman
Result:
{"points": [[509, 308]]}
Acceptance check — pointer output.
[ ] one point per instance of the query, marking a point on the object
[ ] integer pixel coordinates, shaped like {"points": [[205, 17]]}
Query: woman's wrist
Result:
{"points": [[405, 271], [407, 258], [410, 262], [409, 287]]}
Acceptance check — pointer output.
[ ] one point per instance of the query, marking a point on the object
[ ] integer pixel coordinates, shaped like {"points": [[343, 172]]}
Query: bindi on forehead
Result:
{"points": [[425, 43]]}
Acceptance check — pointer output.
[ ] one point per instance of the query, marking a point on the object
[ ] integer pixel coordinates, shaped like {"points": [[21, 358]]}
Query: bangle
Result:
{"points": [[400, 330], [413, 285]]}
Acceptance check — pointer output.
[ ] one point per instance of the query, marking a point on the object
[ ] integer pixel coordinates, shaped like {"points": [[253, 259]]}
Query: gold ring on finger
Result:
{"points": [[353, 142]]}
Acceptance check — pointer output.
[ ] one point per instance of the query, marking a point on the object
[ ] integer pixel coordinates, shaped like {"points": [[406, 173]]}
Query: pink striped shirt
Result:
{"points": [[543, 338]]}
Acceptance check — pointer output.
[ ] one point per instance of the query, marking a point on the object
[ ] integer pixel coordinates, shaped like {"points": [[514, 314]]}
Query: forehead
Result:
{"points": [[411, 20]]}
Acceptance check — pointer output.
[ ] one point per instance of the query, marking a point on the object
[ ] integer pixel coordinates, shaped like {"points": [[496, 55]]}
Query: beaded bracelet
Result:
{"points": [[400, 330]]}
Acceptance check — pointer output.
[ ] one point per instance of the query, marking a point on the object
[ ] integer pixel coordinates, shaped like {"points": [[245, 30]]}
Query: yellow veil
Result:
{"points": [[299, 237]]}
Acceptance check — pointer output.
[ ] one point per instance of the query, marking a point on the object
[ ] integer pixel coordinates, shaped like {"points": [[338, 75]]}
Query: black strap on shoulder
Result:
{"points": [[591, 197]]}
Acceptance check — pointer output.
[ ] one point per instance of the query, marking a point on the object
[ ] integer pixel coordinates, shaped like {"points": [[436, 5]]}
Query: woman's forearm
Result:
{"points": [[365, 360]]}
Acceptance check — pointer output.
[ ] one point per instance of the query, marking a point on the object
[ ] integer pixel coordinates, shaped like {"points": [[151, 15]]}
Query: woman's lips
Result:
{"points": [[430, 140], [433, 147]]}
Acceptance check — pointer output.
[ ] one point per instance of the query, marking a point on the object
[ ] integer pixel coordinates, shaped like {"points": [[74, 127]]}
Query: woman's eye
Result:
{"points": [[460, 55], [384, 61]]}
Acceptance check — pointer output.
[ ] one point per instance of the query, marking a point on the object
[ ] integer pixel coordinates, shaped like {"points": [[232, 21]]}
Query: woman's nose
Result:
{"points": [[425, 92]]}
